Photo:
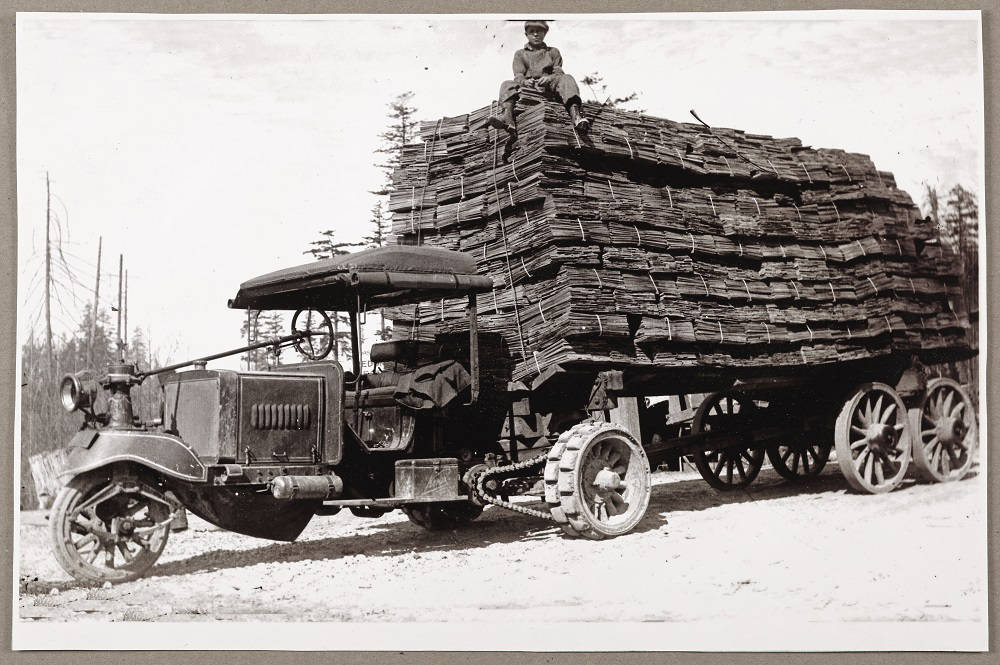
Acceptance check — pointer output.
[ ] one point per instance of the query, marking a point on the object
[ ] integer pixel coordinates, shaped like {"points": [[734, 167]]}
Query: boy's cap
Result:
{"points": [[544, 25]]}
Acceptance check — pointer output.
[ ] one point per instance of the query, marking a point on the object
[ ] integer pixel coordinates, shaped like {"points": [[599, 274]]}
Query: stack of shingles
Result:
{"points": [[656, 243]]}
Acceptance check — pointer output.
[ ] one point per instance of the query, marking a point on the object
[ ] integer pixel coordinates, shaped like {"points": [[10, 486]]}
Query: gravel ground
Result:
{"points": [[813, 553]]}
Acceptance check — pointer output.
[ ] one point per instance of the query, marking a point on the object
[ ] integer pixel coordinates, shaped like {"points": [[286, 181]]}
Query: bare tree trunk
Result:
{"points": [[93, 314]]}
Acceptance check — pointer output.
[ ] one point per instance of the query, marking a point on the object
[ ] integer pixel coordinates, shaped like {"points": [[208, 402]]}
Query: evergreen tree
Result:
{"points": [[401, 131], [594, 79], [326, 248], [380, 230]]}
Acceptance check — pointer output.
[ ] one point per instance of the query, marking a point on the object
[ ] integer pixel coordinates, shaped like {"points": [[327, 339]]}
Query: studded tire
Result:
{"points": [[570, 480]]}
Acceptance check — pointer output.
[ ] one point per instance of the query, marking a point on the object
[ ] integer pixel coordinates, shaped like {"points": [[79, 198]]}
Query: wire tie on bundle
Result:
{"points": [[749, 297], [485, 245], [613, 197], [784, 254], [514, 173], [768, 331], [653, 282], [836, 210], [534, 354], [713, 205], [899, 247], [741, 247], [692, 241], [810, 332], [756, 204], [911, 285], [413, 323], [873, 284], [540, 312], [795, 286], [442, 310], [803, 354], [832, 292], [823, 249], [631, 155], [849, 335], [670, 197], [849, 178], [679, 156], [510, 192], [527, 219], [637, 235], [600, 284], [582, 234], [772, 166], [802, 164], [458, 212], [413, 193], [797, 211], [887, 322], [722, 338], [728, 166], [922, 325], [670, 332], [600, 325], [461, 185], [863, 252], [525, 268], [704, 283]]}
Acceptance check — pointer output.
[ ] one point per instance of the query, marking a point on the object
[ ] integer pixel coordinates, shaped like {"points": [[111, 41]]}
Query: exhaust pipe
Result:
{"points": [[290, 488]]}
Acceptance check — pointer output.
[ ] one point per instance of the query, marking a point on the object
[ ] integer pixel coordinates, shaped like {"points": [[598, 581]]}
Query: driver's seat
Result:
{"points": [[408, 352]]}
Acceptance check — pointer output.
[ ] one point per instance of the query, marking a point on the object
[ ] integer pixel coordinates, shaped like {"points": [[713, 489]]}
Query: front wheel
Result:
{"points": [[108, 530]]}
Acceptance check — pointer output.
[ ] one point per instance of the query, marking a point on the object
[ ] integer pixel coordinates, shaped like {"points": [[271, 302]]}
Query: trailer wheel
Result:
{"points": [[444, 515], [947, 432], [597, 481], [873, 439], [797, 462], [735, 467], [106, 531]]}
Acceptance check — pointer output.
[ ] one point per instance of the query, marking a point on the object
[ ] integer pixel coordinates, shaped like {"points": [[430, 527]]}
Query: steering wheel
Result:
{"points": [[319, 342]]}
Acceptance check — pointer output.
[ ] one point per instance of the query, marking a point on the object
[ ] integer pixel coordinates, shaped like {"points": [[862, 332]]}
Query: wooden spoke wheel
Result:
{"points": [[105, 531], [734, 467], [872, 436], [799, 461], [947, 432], [597, 481], [443, 515]]}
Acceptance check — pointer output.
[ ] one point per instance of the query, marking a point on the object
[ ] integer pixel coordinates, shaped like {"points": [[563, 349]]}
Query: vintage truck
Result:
{"points": [[262, 452]]}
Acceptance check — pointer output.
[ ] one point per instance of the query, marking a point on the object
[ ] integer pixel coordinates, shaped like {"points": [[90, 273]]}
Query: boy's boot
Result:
{"points": [[507, 122], [580, 123]]}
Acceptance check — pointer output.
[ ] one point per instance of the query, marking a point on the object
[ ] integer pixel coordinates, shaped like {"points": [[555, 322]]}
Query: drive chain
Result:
{"points": [[484, 495]]}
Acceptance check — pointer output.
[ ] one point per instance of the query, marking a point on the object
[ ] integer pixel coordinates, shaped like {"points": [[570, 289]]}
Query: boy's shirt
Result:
{"points": [[534, 62]]}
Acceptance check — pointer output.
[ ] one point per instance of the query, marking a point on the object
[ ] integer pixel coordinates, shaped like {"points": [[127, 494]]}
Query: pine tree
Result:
{"points": [[401, 131], [595, 79], [379, 234], [326, 248]]}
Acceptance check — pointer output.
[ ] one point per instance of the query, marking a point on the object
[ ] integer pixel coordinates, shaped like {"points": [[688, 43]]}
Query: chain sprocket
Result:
{"points": [[486, 496]]}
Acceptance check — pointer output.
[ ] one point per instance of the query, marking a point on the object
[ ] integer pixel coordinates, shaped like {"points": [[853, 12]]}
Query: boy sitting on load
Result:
{"points": [[539, 66]]}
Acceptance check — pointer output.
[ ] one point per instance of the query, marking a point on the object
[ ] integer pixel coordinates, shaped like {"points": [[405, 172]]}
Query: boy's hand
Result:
{"points": [[545, 80]]}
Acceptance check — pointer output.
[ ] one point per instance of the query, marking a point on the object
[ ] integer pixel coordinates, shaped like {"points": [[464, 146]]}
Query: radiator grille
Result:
{"points": [[280, 416]]}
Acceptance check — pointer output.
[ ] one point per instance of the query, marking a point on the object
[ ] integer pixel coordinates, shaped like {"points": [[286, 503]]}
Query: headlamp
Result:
{"points": [[78, 391]]}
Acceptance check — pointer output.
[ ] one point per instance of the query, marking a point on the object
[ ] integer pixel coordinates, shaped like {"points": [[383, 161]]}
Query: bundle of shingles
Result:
{"points": [[656, 243]]}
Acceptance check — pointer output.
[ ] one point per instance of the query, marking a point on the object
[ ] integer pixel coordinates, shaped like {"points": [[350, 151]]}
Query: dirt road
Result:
{"points": [[813, 552]]}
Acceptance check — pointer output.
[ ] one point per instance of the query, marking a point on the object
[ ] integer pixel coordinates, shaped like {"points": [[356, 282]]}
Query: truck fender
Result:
{"points": [[165, 453]]}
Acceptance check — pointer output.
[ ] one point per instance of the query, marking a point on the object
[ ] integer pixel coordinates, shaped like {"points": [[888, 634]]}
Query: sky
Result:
{"points": [[209, 150]]}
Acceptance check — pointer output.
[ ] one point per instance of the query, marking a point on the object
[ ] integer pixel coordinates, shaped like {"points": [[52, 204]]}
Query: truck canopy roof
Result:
{"points": [[380, 277]]}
